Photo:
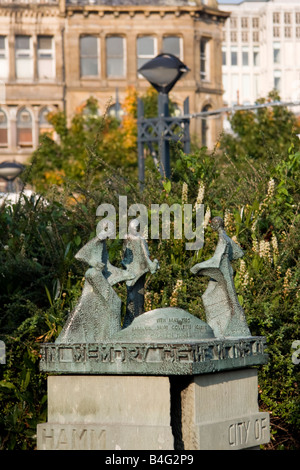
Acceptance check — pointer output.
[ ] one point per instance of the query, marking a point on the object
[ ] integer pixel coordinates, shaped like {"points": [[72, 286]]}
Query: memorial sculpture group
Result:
{"points": [[93, 340], [97, 317], [166, 343]]}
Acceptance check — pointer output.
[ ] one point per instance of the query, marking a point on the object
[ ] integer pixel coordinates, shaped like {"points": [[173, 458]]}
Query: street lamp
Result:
{"points": [[162, 72], [9, 171]]}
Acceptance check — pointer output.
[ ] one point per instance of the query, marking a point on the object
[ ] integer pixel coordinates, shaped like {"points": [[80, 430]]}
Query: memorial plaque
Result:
{"points": [[166, 324]]}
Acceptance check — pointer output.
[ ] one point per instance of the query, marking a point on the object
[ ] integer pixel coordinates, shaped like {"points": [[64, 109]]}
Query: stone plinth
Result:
{"points": [[107, 413], [220, 412], [202, 412]]}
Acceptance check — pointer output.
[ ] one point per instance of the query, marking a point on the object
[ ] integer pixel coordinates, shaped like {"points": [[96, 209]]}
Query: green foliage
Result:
{"points": [[75, 152], [41, 280], [78, 152], [266, 133]]}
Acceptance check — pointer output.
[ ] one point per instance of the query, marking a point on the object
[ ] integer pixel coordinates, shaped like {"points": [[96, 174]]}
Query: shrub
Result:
{"points": [[41, 280]]}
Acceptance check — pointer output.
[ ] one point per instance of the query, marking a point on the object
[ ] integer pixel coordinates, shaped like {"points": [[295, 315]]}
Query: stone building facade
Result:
{"points": [[261, 50], [55, 54]]}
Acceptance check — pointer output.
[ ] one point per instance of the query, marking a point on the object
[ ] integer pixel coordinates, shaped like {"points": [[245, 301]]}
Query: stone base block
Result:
{"points": [[220, 412], [107, 413], [215, 411]]}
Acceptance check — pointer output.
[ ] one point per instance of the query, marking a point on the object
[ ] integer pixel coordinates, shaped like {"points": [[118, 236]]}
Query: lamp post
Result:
{"points": [[162, 72], [9, 171]]}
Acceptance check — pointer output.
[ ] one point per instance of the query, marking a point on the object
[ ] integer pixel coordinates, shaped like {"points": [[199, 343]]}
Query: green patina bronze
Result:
{"points": [[166, 341], [222, 308]]}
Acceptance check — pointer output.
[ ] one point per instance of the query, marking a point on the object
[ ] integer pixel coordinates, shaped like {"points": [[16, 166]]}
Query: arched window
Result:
{"points": [[24, 128], [116, 111], [176, 110], [3, 129], [45, 127]]}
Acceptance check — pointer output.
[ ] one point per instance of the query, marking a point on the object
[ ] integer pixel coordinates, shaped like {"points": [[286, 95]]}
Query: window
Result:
{"points": [[224, 54], [298, 32], [204, 59], [234, 56], [245, 56], [172, 45], [255, 36], [24, 57], [233, 36], [276, 32], [244, 22], [256, 56], [115, 111], [89, 59], [256, 86], [287, 32], [146, 49], [297, 19], [24, 128], [235, 89], [255, 22], [287, 18], [177, 111], [245, 87], [233, 22], [277, 79], [3, 57], [276, 18], [225, 87], [45, 57], [3, 129], [245, 36], [115, 60], [276, 53], [44, 125]]}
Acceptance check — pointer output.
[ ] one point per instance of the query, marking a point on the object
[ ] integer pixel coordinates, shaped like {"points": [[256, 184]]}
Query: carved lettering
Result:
{"points": [[79, 438], [153, 355], [260, 428], [62, 441], [169, 354], [238, 433], [118, 354], [71, 437], [79, 354], [47, 438], [104, 354], [131, 354], [241, 433], [184, 355]]}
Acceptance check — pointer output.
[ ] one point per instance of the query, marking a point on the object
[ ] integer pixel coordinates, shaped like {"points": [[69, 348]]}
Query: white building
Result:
{"points": [[261, 50]]}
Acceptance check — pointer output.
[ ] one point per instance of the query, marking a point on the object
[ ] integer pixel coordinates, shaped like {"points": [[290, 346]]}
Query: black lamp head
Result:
{"points": [[163, 71]]}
